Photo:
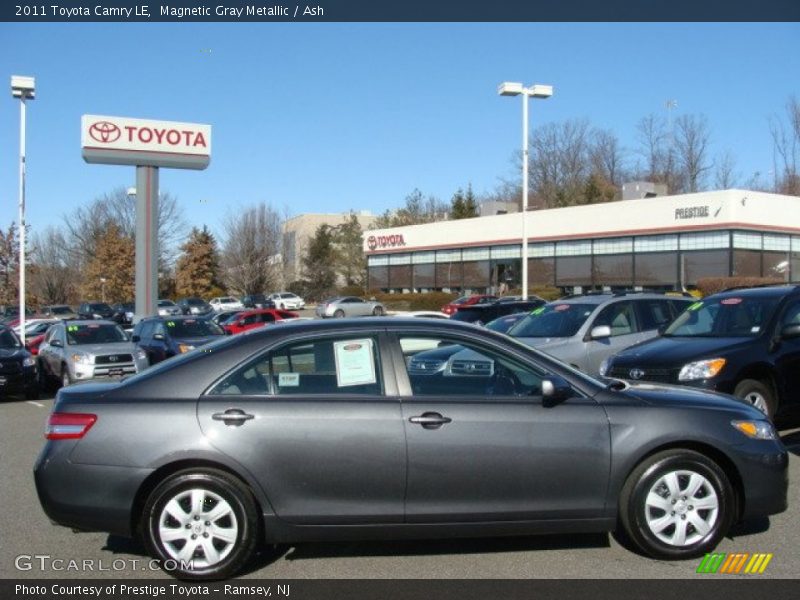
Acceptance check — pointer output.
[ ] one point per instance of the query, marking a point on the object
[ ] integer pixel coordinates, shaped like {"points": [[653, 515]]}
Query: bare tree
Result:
{"points": [[251, 250], [608, 157], [786, 143], [692, 137], [725, 177], [559, 163], [54, 277], [654, 147]]}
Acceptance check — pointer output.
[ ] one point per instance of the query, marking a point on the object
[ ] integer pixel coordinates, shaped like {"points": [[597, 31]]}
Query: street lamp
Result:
{"points": [[103, 287], [23, 88], [535, 91]]}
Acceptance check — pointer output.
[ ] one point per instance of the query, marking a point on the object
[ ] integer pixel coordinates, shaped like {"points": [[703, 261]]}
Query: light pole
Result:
{"points": [[535, 91], [103, 287], [23, 88]]}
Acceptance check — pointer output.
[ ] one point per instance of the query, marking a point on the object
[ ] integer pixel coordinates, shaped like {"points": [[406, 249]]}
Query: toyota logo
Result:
{"points": [[104, 132], [636, 373], [113, 358], [372, 242]]}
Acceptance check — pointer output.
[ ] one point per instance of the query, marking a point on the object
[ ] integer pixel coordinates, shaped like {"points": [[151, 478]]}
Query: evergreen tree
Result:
{"points": [[197, 271], [319, 275], [114, 261], [463, 206]]}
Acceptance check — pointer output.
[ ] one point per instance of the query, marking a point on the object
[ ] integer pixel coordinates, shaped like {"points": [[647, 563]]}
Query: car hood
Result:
{"points": [[684, 396], [677, 351], [119, 347], [550, 345], [13, 353]]}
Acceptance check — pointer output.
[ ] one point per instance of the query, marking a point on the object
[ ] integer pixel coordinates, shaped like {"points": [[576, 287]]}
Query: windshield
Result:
{"points": [[553, 320], [187, 328], [60, 310], [194, 302], [8, 340], [163, 303], [724, 317], [78, 335], [99, 306]]}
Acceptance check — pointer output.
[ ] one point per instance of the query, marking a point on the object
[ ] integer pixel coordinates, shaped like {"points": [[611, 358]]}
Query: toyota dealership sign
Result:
{"points": [[126, 141]]}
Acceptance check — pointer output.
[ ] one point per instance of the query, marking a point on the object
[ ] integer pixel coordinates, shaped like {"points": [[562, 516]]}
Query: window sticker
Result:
{"points": [[354, 362], [728, 301], [695, 306], [538, 311], [170, 323], [755, 329], [288, 379], [72, 328], [561, 307]]}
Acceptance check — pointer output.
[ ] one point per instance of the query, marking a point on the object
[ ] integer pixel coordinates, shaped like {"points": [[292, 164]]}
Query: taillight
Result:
{"points": [[68, 426]]}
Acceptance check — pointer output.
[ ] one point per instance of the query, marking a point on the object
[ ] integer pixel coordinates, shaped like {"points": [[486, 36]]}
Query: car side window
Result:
{"points": [[158, 328], [654, 313], [329, 366], [619, 316], [249, 320], [439, 366], [267, 318], [791, 315]]}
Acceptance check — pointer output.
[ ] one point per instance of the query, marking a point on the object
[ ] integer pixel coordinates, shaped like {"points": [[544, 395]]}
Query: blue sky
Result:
{"points": [[329, 117]]}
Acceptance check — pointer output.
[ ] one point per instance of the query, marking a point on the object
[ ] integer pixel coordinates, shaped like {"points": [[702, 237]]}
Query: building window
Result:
{"points": [[476, 274], [613, 246], [424, 276], [449, 275], [399, 259], [475, 254], [448, 256], [400, 277], [377, 261], [378, 278], [696, 265], [613, 270], [746, 263], [541, 271], [541, 250], [574, 270], [747, 241], [703, 241], [506, 252], [775, 265], [573, 248], [656, 243], [777, 243], [656, 269], [423, 258]]}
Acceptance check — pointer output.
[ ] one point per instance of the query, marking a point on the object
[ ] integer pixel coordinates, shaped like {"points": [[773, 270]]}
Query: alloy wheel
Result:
{"points": [[681, 508]]}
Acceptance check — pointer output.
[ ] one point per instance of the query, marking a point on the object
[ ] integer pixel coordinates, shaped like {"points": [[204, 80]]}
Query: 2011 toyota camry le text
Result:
{"points": [[395, 428]]}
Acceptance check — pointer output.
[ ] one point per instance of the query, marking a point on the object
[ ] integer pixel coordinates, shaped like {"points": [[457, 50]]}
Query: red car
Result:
{"points": [[449, 309], [250, 319], [32, 344]]}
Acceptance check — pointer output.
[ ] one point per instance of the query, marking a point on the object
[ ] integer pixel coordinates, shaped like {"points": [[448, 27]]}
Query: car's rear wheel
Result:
{"points": [[677, 504], [758, 394], [377, 311], [339, 314], [44, 379], [66, 379], [201, 524]]}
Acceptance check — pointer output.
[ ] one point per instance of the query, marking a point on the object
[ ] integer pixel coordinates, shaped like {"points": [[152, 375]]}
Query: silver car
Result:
{"points": [[349, 306], [288, 301], [585, 330], [167, 308], [84, 350]]}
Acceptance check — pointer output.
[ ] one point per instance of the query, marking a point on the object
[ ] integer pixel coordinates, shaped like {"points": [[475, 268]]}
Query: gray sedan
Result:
{"points": [[349, 306], [397, 428]]}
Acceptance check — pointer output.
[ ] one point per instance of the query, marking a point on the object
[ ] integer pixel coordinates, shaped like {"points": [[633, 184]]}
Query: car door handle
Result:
{"points": [[233, 416], [430, 420]]}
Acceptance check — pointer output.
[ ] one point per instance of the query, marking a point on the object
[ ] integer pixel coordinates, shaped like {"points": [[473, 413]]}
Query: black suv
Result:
{"points": [[744, 342], [95, 310], [17, 367], [480, 314], [257, 301], [163, 337]]}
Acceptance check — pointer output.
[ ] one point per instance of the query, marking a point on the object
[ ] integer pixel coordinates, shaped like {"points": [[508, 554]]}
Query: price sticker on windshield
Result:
{"points": [[561, 307], [729, 301]]}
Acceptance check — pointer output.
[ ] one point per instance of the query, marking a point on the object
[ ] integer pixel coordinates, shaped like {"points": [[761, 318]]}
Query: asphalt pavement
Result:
{"points": [[27, 535]]}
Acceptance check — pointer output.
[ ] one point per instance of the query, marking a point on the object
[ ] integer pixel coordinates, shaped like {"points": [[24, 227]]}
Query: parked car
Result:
{"points": [[452, 307], [219, 441], [252, 319], [163, 337], [503, 324], [226, 303], [584, 330], [9, 314], [194, 306], [167, 308], [123, 313], [84, 350], [482, 313], [257, 301], [95, 310], [58, 311], [421, 314], [287, 301], [221, 317], [744, 342], [17, 367], [37, 327], [33, 343], [349, 306]]}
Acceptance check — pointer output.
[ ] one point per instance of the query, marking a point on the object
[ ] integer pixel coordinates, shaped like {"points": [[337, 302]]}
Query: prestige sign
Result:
{"points": [[140, 142]]}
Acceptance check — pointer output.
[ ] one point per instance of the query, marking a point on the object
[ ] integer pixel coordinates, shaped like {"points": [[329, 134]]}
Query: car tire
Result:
{"points": [[677, 504], [378, 311], [33, 392], [339, 314], [758, 394], [45, 383], [203, 522], [66, 378]]}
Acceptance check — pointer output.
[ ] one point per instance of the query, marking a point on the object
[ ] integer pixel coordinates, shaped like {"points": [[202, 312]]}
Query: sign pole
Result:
{"points": [[147, 250]]}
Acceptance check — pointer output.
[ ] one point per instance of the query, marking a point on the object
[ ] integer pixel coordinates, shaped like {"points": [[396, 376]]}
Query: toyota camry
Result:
{"points": [[397, 428]]}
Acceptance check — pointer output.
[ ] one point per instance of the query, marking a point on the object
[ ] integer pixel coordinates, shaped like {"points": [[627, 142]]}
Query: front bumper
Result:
{"points": [[764, 469], [18, 381]]}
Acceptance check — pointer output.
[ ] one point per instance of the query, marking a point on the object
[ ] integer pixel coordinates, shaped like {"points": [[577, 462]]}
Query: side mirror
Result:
{"points": [[555, 389], [600, 332], [790, 332], [136, 338], [56, 344], [159, 336]]}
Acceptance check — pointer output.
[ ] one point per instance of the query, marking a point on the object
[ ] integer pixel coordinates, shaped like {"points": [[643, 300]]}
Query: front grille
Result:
{"points": [[647, 374], [9, 367], [113, 359]]}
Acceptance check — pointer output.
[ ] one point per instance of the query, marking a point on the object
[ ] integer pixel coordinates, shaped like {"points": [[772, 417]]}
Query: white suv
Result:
{"points": [[287, 301]]}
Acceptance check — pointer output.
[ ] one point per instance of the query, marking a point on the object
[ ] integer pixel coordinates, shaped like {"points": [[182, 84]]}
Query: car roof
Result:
{"points": [[87, 322], [767, 291]]}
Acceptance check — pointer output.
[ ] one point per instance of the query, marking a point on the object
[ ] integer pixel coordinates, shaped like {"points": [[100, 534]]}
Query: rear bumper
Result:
{"points": [[86, 497]]}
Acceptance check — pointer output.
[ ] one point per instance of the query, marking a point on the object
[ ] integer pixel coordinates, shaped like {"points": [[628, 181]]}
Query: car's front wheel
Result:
{"points": [[339, 314], [201, 524], [378, 311], [758, 394], [677, 504]]}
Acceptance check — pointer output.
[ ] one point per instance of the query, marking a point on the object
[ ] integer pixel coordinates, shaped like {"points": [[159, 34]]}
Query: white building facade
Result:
{"points": [[661, 243]]}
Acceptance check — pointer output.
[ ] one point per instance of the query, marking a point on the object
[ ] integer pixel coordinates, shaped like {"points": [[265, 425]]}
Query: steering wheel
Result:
{"points": [[503, 382]]}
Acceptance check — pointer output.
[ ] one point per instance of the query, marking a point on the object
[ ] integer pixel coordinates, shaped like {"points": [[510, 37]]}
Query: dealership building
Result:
{"points": [[654, 243]]}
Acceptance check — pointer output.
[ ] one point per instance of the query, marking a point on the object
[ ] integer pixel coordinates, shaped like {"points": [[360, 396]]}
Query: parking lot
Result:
{"points": [[27, 533]]}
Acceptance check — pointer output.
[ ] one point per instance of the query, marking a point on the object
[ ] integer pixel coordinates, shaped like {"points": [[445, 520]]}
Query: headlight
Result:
{"points": [[702, 369], [28, 362], [757, 430], [185, 348], [141, 354], [82, 359], [604, 367]]}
